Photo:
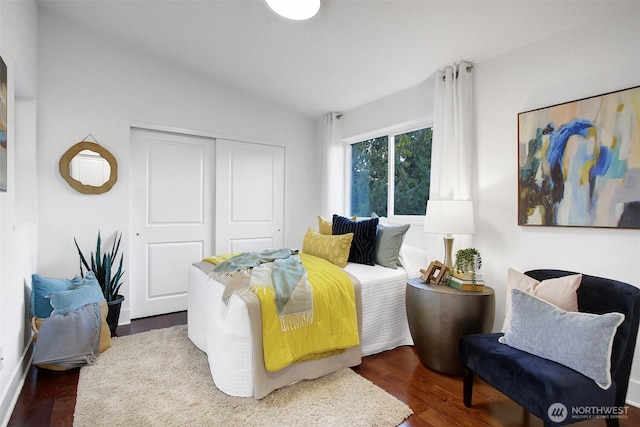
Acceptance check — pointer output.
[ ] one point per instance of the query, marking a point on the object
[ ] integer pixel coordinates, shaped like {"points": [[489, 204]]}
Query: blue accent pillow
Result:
{"points": [[580, 341], [42, 287], [87, 292], [363, 245]]}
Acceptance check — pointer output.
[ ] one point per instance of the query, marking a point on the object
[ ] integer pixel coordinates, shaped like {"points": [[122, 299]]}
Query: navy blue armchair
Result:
{"points": [[538, 384]]}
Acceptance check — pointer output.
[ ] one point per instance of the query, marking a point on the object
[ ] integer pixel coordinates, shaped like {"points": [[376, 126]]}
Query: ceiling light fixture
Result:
{"points": [[297, 10]]}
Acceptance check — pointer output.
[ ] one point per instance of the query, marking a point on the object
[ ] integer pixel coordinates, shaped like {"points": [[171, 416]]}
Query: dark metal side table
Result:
{"points": [[440, 315]]}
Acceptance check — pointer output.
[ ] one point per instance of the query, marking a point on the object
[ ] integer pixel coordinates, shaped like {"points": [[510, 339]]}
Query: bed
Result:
{"points": [[235, 355]]}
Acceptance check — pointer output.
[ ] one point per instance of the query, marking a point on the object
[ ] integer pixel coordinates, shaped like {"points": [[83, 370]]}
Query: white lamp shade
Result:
{"points": [[449, 217], [297, 10]]}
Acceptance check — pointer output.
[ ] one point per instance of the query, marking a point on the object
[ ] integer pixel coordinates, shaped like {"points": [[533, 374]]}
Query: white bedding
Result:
{"points": [[384, 314], [221, 331], [224, 331]]}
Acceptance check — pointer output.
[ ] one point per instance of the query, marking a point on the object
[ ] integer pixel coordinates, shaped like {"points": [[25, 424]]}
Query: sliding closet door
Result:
{"points": [[249, 196], [172, 217]]}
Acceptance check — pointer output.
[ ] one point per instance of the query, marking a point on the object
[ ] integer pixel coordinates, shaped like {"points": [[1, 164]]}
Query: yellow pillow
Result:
{"points": [[334, 249], [325, 226]]}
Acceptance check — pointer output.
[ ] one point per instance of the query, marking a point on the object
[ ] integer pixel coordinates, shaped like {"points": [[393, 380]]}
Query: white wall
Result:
{"points": [[601, 58], [93, 85], [18, 226], [406, 106]]}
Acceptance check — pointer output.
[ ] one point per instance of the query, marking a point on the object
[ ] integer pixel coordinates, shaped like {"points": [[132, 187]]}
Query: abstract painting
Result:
{"points": [[579, 163], [3, 126]]}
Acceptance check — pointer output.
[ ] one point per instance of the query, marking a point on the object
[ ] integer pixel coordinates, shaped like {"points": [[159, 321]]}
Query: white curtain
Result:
{"points": [[333, 166], [452, 144]]}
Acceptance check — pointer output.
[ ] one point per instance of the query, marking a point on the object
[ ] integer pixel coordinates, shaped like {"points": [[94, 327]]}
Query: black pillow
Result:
{"points": [[363, 245]]}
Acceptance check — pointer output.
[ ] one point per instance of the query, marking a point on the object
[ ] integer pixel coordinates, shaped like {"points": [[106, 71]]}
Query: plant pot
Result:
{"points": [[113, 316]]}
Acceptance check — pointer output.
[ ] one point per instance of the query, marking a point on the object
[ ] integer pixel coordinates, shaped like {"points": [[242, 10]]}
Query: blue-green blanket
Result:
{"points": [[280, 269]]}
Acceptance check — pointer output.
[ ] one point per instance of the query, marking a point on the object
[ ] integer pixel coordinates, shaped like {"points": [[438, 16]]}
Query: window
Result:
{"points": [[401, 159], [369, 176]]}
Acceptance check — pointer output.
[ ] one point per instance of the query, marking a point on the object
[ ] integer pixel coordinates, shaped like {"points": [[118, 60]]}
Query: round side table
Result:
{"points": [[439, 316]]}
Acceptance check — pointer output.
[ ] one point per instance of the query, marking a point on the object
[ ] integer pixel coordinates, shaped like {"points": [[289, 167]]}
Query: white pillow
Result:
{"points": [[559, 291], [413, 258]]}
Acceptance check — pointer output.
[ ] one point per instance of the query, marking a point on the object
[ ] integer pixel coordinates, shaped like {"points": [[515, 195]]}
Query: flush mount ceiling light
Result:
{"points": [[297, 10]]}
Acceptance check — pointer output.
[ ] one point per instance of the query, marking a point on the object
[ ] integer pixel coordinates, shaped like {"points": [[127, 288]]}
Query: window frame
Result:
{"points": [[390, 132]]}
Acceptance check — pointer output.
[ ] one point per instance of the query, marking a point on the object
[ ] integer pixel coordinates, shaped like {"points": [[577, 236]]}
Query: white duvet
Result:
{"points": [[224, 331], [384, 314]]}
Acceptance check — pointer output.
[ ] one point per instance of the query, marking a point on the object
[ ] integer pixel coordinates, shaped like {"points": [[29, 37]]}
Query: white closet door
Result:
{"points": [[172, 217], [249, 197]]}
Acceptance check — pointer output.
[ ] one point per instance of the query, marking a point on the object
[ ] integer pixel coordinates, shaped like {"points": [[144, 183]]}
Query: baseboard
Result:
{"points": [[633, 393], [125, 317], [15, 386]]}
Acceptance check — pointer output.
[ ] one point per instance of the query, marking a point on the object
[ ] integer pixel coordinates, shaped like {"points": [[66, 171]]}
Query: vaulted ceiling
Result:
{"points": [[351, 53]]}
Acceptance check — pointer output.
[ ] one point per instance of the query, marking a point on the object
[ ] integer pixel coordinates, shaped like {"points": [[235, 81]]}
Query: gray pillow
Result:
{"points": [[388, 242], [581, 341]]}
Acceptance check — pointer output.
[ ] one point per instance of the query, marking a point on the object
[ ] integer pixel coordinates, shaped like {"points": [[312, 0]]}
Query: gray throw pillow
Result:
{"points": [[388, 242], [580, 341]]}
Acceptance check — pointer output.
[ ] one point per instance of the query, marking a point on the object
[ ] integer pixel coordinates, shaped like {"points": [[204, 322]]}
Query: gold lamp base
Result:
{"points": [[448, 249]]}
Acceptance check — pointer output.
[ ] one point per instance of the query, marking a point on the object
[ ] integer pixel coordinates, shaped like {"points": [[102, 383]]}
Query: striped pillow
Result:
{"points": [[363, 245]]}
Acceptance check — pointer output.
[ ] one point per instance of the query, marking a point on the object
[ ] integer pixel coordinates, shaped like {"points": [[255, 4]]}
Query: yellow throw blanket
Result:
{"points": [[335, 322]]}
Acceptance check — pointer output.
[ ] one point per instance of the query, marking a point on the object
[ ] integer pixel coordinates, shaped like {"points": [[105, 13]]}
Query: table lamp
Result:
{"points": [[449, 217]]}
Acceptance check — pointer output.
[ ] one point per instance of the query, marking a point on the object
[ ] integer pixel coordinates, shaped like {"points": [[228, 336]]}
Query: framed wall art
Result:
{"points": [[579, 163], [3, 125]]}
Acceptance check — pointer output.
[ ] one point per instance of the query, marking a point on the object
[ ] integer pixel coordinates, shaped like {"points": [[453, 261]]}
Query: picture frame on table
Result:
{"points": [[435, 273]]}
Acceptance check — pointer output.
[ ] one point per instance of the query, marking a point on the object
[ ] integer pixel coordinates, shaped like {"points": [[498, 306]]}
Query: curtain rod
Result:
{"points": [[468, 68]]}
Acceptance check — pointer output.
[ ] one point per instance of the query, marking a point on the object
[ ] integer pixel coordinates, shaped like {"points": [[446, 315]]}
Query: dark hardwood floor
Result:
{"points": [[48, 398]]}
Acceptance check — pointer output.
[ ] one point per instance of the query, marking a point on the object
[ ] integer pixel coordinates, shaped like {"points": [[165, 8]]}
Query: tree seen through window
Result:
{"points": [[370, 164]]}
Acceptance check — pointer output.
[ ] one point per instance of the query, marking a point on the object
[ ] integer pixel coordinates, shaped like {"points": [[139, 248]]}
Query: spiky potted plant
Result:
{"points": [[110, 281]]}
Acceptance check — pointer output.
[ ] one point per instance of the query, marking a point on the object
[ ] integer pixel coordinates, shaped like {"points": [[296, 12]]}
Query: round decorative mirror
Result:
{"points": [[89, 168]]}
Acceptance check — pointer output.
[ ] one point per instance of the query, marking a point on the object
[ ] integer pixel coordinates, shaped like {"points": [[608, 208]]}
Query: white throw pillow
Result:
{"points": [[412, 259], [559, 291]]}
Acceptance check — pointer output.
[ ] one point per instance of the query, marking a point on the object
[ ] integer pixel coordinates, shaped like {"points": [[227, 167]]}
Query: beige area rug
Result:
{"points": [[159, 378]]}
